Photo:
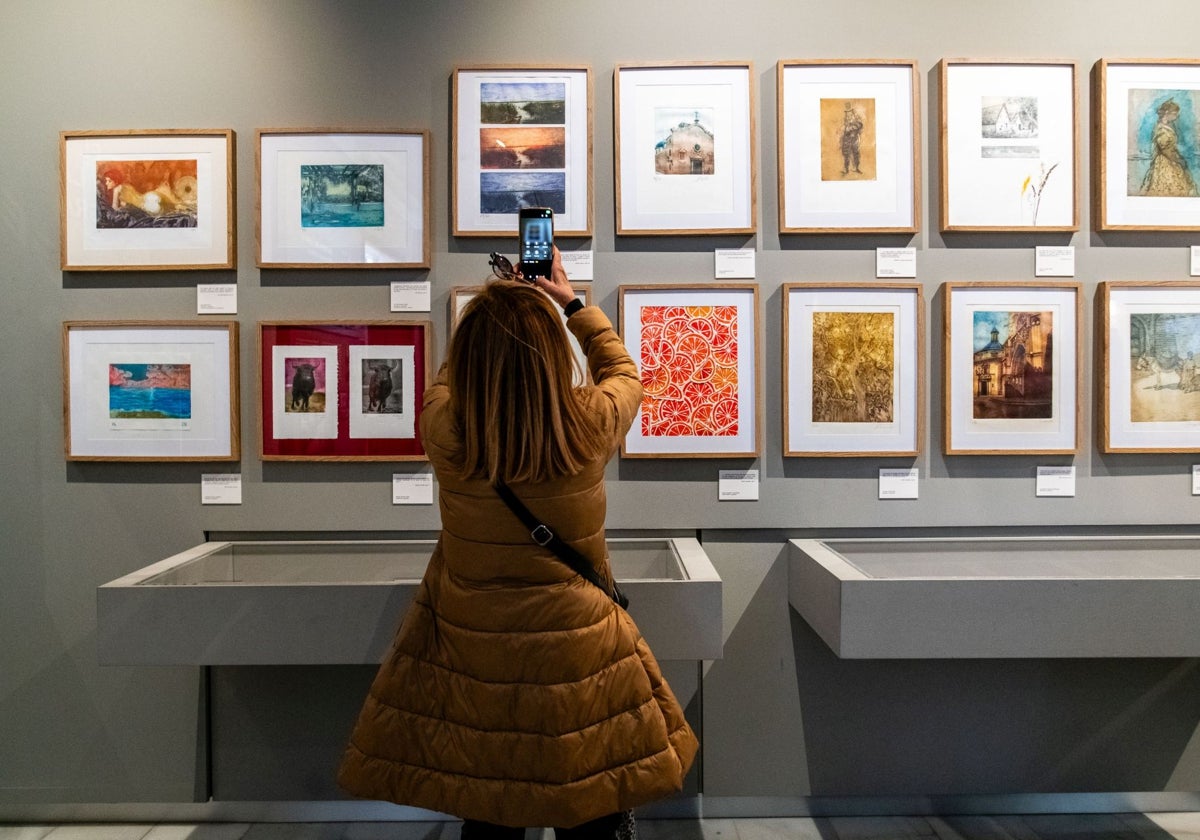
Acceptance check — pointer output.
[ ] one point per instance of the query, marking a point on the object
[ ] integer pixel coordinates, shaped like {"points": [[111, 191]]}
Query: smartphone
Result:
{"points": [[536, 226]]}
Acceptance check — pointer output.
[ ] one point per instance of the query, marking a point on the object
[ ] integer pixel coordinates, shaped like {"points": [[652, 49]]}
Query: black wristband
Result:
{"points": [[572, 307]]}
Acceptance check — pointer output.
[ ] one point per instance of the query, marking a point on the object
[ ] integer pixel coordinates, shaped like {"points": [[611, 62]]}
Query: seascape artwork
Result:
{"points": [[1164, 150], [688, 356], [508, 192], [146, 193], [304, 385], [382, 386], [854, 367], [848, 140], [341, 195], [1013, 366], [149, 391], [519, 103], [1008, 127], [684, 141], [1164, 351], [522, 146]]}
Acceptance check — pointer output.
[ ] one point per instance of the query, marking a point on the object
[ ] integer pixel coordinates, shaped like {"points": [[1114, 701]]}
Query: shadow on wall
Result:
{"points": [[971, 727]]}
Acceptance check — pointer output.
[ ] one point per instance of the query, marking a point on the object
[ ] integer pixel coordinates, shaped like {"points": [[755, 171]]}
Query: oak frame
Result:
{"points": [[788, 162], [945, 119]]}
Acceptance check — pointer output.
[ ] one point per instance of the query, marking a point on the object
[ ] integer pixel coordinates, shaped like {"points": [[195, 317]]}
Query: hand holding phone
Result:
{"points": [[536, 226]]}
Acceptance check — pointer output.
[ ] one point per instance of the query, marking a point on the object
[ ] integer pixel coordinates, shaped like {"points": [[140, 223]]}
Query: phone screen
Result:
{"points": [[537, 240]]}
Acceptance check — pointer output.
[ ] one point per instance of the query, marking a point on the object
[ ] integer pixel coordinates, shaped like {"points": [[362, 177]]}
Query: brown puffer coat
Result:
{"points": [[516, 692]]}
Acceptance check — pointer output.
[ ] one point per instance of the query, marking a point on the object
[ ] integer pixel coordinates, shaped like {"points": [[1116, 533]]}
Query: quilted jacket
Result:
{"points": [[515, 691]]}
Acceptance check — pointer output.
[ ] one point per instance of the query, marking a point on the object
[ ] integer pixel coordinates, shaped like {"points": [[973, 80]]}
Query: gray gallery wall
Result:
{"points": [[781, 718]]}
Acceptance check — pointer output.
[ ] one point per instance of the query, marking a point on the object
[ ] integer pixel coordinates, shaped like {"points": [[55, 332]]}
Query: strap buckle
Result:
{"points": [[541, 535]]}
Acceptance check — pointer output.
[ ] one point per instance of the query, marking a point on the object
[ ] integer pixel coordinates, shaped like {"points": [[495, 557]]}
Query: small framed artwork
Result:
{"points": [[1010, 145], [1012, 379], [151, 390], [1150, 396], [342, 391], [852, 369], [685, 148], [522, 138], [146, 200], [1147, 144], [697, 349], [339, 198], [849, 141]]}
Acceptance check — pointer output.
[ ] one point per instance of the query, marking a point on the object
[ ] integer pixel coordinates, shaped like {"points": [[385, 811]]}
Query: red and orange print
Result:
{"points": [[689, 361]]}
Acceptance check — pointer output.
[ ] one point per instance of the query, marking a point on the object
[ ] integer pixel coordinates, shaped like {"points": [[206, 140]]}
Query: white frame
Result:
{"points": [[209, 347], [402, 241], [721, 203], [210, 245], [810, 204], [1118, 301], [465, 190], [1058, 434], [747, 443], [803, 437], [1115, 209], [1009, 193]]}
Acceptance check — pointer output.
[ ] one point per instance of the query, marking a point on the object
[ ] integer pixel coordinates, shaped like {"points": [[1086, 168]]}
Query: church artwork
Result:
{"points": [[685, 141], [1013, 365]]}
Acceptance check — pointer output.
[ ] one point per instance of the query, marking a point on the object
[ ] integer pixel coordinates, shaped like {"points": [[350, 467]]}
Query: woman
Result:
{"points": [[516, 692], [1169, 173]]}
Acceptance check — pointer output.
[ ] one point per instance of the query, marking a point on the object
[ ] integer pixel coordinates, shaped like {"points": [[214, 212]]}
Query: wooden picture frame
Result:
{"points": [[848, 145], [150, 391], [698, 349], [342, 390], [508, 154], [1150, 343], [147, 200], [1146, 148], [1013, 355], [1009, 145], [460, 296], [853, 369], [685, 148], [342, 198]]}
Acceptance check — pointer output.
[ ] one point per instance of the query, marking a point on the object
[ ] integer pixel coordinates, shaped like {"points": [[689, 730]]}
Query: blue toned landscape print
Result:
{"points": [[509, 103], [508, 192], [341, 196], [137, 391]]}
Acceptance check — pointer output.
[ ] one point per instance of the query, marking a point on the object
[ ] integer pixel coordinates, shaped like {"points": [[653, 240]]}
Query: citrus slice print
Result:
{"points": [[688, 356]]}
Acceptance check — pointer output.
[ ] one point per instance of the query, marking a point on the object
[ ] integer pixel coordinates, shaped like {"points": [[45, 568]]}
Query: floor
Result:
{"points": [[1185, 826]]}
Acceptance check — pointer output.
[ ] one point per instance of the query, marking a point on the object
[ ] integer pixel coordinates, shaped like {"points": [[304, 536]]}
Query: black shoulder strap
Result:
{"points": [[542, 534]]}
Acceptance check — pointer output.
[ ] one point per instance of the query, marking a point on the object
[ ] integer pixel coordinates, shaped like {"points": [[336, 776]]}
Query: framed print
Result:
{"points": [[146, 200], [848, 147], [685, 148], [522, 138], [852, 369], [336, 198], [342, 391], [460, 296], [1147, 144], [1010, 145], [1150, 394], [1012, 379], [151, 390], [697, 349]]}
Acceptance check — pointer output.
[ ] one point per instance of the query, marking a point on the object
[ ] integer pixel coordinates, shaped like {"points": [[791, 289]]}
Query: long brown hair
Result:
{"points": [[510, 372]]}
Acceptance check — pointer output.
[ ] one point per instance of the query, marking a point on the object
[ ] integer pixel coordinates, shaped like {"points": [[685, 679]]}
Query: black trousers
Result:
{"points": [[602, 828]]}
